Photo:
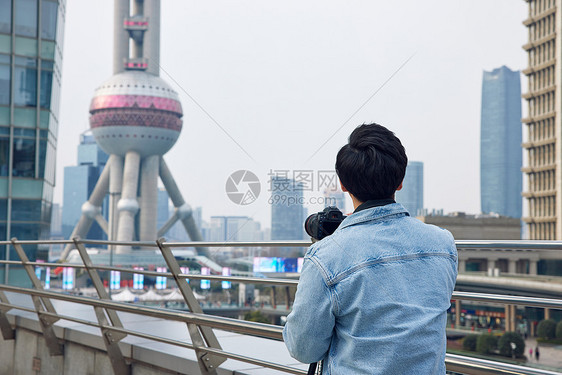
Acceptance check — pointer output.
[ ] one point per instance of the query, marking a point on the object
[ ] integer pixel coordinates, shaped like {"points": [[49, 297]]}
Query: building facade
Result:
{"points": [[476, 227], [335, 197], [234, 228], [411, 194], [287, 210], [501, 157], [79, 182], [31, 33], [543, 122]]}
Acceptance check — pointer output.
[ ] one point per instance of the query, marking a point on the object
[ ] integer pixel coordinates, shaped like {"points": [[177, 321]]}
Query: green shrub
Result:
{"points": [[486, 343], [256, 316], [504, 345], [559, 330], [469, 342], [546, 329]]}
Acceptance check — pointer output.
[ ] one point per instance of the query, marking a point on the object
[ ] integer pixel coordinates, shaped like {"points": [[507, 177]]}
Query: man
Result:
{"points": [[372, 297]]}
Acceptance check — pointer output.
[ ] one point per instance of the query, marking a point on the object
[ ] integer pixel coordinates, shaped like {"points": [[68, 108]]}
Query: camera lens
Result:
{"points": [[311, 225]]}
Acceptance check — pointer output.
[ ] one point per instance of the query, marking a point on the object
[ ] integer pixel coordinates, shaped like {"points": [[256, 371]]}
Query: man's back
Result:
{"points": [[373, 296]]}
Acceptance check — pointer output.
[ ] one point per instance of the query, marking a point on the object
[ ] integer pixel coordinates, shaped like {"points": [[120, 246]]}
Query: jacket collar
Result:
{"points": [[373, 213], [373, 203]]}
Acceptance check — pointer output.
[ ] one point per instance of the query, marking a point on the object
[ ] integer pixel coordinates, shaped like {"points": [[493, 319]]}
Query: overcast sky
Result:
{"points": [[282, 77]]}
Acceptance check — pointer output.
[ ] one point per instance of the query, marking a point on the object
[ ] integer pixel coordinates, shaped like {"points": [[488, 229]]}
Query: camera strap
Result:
{"points": [[312, 368]]}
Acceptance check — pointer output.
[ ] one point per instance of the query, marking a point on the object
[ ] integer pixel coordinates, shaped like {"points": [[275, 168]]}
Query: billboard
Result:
{"points": [[275, 264]]}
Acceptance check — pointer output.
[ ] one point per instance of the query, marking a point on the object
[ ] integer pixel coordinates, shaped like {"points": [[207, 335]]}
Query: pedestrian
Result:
{"points": [[530, 353], [373, 296], [537, 354]]}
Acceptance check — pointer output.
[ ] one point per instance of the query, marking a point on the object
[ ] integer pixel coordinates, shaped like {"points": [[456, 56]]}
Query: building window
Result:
{"points": [[5, 79], [4, 152], [26, 18], [24, 158], [5, 16], [48, 19], [46, 88], [26, 210], [25, 90]]}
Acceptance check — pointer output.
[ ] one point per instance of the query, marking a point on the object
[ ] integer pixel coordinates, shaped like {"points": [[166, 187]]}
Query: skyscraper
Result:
{"points": [[544, 122], [334, 197], [235, 228], [411, 195], [31, 33], [500, 143], [163, 207], [287, 211], [79, 182]]}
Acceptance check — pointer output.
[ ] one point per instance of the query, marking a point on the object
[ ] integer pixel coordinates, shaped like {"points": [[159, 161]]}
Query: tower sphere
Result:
{"points": [[135, 111]]}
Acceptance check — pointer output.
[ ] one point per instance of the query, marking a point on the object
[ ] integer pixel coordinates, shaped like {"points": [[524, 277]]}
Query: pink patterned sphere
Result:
{"points": [[135, 111]]}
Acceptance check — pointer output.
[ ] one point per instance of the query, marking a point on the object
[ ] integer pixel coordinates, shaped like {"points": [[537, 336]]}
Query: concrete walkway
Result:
{"points": [[550, 355]]}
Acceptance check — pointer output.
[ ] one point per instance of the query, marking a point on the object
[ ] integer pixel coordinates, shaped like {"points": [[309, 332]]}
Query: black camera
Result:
{"points": [[323, 223]]}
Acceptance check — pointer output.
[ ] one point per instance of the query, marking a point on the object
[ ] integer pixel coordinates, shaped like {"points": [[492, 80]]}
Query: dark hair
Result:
{"points": [[373, 163]]}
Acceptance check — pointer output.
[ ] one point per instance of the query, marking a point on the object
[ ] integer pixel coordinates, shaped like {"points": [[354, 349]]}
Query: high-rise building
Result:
{"points": [[31, 33], [287, 210], [411, 194], [334, 197], [79, 182], [235, 228], [501, 158], [163, 207], [543, 167], [56, 221]]}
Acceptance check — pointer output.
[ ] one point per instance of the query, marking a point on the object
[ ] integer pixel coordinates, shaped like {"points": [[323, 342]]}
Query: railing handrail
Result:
{"points": [[204, 321], [454, 362], [461, 244]]}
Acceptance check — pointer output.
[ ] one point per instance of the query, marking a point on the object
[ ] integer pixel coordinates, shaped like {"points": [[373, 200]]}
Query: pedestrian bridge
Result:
{"points": [[56, 332]]}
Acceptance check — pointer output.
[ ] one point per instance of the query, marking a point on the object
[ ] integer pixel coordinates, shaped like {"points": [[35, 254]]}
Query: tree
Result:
{"points": [[469, 342], [546, 329], [505, 347], [559, 330], [486, 343], [256, 316]]}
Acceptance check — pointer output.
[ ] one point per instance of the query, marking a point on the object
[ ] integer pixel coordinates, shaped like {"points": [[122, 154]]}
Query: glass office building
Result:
{"points": [[500, 143], [79, 182], [411, 195], [287, 212], [31, 33]]}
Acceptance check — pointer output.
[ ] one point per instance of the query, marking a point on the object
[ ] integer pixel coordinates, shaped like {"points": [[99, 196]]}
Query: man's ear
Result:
{"points": [[342, 187], [399, 186]]}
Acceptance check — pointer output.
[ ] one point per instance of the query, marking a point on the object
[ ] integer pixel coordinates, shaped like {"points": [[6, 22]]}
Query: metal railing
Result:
{"points": [[203, 340]]}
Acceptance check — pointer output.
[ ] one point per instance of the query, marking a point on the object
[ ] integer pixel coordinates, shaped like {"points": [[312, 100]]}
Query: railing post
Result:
{"points": [[7, 332], [41, 305], [458, 310], [110, 338], [207, 362]]}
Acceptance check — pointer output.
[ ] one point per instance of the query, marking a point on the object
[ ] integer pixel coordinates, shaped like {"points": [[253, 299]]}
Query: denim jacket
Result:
{"points": [[372, 297]]}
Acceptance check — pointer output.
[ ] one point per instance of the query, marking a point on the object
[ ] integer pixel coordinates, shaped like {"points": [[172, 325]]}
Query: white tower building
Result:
{"points": [[136, 118]]}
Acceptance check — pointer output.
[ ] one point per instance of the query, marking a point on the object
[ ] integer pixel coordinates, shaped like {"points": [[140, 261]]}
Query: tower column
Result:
{"points": [[115, 186], [462, 265], [183, 210], [149, 198], [512, 265], [120, 35], [152, 36], [128, 205], [532, 267]]}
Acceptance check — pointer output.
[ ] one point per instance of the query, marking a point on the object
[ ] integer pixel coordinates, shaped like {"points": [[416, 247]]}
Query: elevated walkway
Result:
{"points": [[85, 352], [62, 333]]}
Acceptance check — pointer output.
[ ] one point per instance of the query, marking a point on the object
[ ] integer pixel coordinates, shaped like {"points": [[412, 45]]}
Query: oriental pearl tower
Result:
{"points": [[135, 117]]}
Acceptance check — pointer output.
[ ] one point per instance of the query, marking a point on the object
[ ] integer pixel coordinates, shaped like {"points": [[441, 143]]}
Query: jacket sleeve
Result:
{"points": [[309, 327]]}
